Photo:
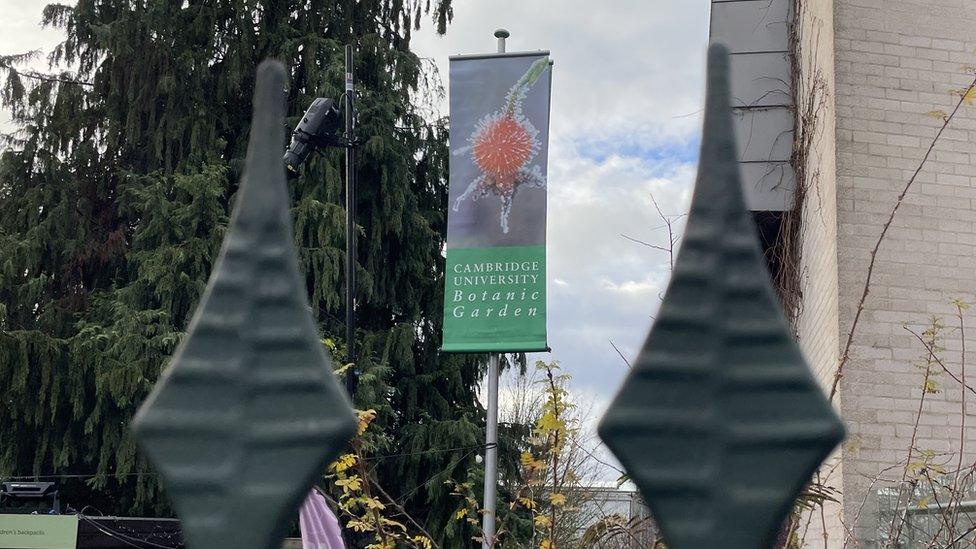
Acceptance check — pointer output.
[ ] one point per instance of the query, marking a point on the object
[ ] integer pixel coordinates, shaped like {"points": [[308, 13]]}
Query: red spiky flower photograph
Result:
{"points": [[503, 146]]}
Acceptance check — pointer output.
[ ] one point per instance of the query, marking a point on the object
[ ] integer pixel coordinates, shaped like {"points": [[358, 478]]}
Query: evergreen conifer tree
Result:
{"points": [[114, 194]]}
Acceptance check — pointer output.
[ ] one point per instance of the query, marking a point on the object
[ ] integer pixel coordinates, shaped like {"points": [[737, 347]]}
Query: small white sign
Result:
{"points": [[38, 531]]}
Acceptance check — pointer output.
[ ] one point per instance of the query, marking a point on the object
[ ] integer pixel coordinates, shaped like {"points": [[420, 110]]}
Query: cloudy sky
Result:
{"points": [[627, 94]]}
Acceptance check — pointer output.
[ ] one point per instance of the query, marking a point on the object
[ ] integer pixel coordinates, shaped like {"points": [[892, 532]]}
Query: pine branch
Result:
{"points": [[46, 78], [7, 62]]}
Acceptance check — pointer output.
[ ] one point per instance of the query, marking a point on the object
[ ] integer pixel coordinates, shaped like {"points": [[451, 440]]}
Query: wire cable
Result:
{"points": [[141, 474], [449, 468]]}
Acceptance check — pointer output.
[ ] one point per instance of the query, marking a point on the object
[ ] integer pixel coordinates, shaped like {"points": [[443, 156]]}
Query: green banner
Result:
{"points": [[38, 531], [495, 299], [495, 286]]}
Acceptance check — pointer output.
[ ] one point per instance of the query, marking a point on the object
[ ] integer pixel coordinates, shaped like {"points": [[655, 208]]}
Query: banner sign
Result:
{"points": [[495, 287], [38, 531]]}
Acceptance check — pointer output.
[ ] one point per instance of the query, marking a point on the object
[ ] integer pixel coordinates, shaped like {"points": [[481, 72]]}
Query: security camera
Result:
{"points": [[318, 128]]}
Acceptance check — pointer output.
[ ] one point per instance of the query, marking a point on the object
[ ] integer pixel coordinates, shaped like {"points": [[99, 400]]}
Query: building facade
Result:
{"points": [[871, 84]]}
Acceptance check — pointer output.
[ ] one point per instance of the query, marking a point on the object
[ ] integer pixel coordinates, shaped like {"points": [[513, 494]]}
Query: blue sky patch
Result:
{"points": [[673, 151]]}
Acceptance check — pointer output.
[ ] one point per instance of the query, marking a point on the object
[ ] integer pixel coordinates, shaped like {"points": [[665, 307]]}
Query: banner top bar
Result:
{"points": [[490, 55]]}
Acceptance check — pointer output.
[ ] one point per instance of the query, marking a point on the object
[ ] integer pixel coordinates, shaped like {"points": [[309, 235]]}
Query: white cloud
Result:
{"points": [[633, 288], [20, 29], [623, 69]]}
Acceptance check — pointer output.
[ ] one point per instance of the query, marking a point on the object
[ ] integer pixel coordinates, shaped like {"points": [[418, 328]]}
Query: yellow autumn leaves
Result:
{"points": [[539, 496], [363, 511]]}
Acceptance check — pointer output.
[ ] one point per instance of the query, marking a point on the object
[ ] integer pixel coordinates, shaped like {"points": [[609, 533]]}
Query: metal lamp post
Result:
{"points": [[319, 129], [491, 429], [352, 378]]}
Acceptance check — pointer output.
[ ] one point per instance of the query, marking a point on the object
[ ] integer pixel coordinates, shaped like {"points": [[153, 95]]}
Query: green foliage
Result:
{"points": [[362, 512], [114, 196]]}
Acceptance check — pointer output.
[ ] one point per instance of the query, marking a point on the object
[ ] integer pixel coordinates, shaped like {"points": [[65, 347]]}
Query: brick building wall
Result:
{"points": [[895, 61], [817, 323]]}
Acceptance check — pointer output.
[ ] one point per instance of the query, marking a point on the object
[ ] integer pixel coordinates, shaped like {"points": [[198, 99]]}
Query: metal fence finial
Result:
{"points": [[720, 422], [249, 412]]}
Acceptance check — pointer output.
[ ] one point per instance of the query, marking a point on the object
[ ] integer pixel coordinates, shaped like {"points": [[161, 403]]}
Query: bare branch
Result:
{"points": [[845, 356], [894, 530], [939, 361], [45, 77], [403, 512], [622, 357], [648, 244]]}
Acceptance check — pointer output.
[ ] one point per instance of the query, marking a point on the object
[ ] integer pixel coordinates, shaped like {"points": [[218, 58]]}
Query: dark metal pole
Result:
{"points": [[353, 375]]}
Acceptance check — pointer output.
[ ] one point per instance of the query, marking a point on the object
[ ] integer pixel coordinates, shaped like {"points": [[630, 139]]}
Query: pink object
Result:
{"points": [[319, 525]]}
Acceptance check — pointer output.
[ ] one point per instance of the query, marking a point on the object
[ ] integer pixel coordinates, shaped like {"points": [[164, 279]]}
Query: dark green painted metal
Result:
{"points": [[248, 413], [720, 423]]}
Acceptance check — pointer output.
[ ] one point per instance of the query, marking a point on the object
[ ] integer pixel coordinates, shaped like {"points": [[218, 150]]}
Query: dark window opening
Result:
{"points": [[768, 225]]}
